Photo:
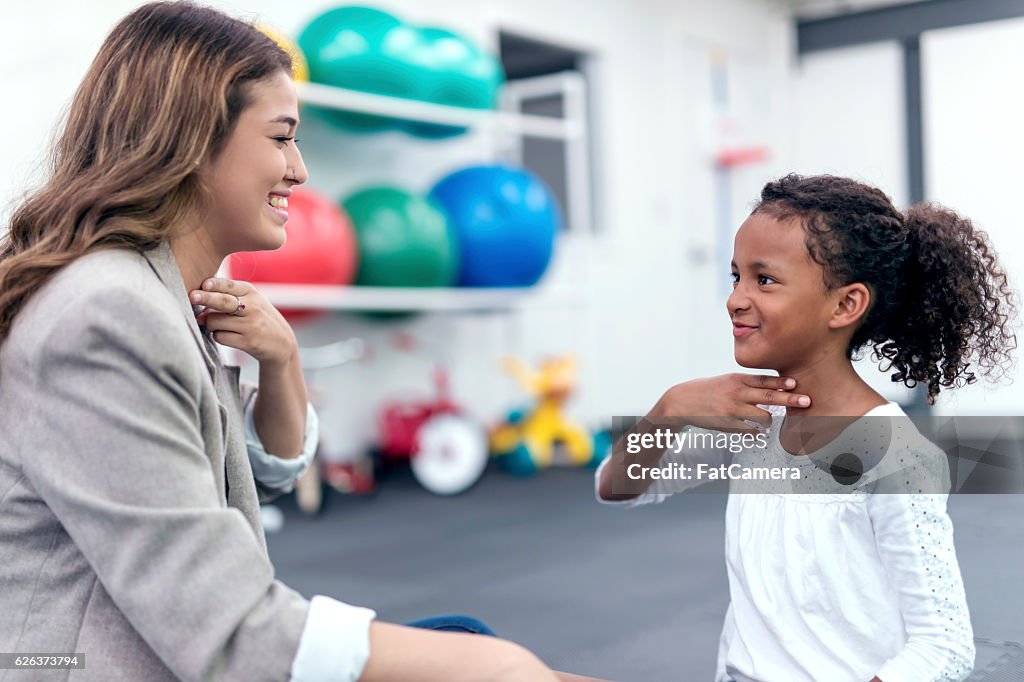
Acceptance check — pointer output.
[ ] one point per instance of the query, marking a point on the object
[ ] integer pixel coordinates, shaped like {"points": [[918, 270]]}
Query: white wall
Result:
{"points": [[652, 317], [848, 114], [974, 144]]}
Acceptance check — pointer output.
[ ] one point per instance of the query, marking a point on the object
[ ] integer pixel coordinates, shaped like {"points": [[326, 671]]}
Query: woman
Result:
{"points": [[129, 527]]}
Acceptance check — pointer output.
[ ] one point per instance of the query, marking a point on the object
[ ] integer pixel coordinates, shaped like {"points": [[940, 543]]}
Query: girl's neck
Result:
{"points": [[836, 390]]}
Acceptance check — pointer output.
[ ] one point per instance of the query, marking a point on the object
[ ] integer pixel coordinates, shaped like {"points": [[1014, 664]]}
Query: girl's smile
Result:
{"points": [[740, 331]]}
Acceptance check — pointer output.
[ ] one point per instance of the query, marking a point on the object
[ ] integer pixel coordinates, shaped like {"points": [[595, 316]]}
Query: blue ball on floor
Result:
{"points": [[602, 448], [518, 462]]}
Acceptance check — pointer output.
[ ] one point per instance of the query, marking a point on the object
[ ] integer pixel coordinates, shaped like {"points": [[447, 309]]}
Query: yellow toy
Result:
{"points": [[526, 441]]}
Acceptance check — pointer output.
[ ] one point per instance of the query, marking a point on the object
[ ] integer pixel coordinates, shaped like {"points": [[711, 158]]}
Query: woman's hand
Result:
{"points": [[240, 317], [727, 402]]}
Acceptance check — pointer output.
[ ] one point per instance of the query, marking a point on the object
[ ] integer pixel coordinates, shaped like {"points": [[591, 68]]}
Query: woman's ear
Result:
{"points": [[852, 303]]}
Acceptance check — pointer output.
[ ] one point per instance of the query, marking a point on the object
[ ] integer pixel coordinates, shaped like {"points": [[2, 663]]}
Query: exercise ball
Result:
{"points": [[404, 240], [505, 220], [300, 69], [354, 47], [320, 248], [455, 73]]}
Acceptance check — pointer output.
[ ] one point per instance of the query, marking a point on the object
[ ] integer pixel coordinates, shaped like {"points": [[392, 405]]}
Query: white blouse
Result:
{"points": [[833, 580]]}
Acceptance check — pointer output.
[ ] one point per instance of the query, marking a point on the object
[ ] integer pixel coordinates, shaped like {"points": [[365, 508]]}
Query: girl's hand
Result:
{"points": [[240, 317], [722, 403]]}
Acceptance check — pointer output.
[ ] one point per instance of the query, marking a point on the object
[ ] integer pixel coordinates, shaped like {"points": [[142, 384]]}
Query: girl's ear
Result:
{"points": [[851, 305]]}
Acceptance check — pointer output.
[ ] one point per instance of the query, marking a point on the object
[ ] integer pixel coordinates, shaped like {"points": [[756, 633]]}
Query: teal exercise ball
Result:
{"points": [[355, 48], [455, 73], [370, 50]]}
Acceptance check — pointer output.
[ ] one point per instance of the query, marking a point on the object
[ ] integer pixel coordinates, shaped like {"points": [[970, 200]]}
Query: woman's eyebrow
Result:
{"points": [[286, 119]]}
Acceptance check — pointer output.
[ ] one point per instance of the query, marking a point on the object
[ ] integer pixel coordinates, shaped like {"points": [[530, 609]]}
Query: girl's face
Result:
{"points": [[779, 306], [259, 160]]}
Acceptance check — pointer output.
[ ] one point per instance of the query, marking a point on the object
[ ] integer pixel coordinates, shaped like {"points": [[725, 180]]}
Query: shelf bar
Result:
{"points": [[324, 297], [427, 112]]}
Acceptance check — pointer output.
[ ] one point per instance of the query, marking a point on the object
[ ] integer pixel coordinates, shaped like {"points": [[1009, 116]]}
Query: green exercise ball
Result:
{"points": [[353, 47], [404, 239]]}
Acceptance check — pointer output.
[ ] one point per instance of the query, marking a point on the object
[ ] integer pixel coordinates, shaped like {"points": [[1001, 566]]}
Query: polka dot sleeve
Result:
{"points": [[914, 540]]}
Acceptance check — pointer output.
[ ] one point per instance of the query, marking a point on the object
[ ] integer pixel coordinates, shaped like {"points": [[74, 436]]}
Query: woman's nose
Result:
{"points": [[298, 174]]}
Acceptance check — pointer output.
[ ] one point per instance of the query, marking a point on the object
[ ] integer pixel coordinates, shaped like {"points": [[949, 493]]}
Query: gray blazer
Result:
{"points": [[129, 518]]}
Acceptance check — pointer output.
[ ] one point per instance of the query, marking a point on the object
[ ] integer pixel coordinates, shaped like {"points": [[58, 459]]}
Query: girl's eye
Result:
{"points": [[286, 139], [761, 280], [735, 278]]}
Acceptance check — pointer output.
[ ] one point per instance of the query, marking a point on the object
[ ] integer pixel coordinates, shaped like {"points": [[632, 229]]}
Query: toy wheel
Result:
{"points": [[450, 456]]}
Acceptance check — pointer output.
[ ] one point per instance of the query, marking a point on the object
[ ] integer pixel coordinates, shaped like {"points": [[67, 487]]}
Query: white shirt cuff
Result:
{"points": [[632, 502], [270, 470], [335, 642]]}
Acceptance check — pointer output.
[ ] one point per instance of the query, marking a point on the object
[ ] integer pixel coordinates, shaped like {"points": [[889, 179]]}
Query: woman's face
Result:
{"points": [[779, 306], [259, 160]]}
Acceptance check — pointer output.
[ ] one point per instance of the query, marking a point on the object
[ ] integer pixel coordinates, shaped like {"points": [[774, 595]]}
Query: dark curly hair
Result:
{"points": [[939, 298]]}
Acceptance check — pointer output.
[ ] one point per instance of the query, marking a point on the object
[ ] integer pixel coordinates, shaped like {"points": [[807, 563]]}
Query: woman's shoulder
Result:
{"points": [[107, 288], [104, 270]]}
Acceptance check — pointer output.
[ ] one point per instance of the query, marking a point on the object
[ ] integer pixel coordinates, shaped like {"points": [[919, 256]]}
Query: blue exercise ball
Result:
{"points": [[506, 220]]}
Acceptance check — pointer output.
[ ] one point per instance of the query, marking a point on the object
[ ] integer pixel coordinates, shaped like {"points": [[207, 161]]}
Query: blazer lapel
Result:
{"points": [[161, 259], [231, 466], [215, 420]]}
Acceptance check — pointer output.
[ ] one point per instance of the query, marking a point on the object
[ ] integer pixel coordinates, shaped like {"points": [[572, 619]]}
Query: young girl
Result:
{"points": [[829, 584], [129, 516]]}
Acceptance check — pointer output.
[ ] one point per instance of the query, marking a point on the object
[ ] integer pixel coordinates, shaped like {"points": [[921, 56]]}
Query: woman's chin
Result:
{"points": [[271, 240]]}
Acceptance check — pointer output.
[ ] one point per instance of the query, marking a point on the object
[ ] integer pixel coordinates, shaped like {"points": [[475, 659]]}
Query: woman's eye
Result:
{"points": [[761, 280], [286, 139], [735, 278]]}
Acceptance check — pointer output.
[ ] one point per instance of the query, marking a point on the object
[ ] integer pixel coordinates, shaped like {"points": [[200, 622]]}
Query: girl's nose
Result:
{"points": [[737, 300]]}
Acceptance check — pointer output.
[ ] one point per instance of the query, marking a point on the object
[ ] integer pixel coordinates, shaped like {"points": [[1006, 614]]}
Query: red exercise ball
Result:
{"points": [[320, 248]]}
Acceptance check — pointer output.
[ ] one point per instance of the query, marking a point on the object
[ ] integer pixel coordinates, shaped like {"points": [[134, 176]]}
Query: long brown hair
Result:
{"points": [[160, 98]]}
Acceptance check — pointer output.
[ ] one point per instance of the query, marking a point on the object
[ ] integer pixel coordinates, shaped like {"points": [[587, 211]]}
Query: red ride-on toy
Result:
{"points": [[446, 449]]}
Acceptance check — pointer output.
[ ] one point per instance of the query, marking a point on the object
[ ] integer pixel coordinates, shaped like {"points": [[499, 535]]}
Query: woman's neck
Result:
{"points": [[197, 258]]}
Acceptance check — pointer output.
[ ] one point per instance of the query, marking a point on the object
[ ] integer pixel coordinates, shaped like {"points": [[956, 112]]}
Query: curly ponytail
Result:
{"points": [[940, 300], [957, 305]]}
